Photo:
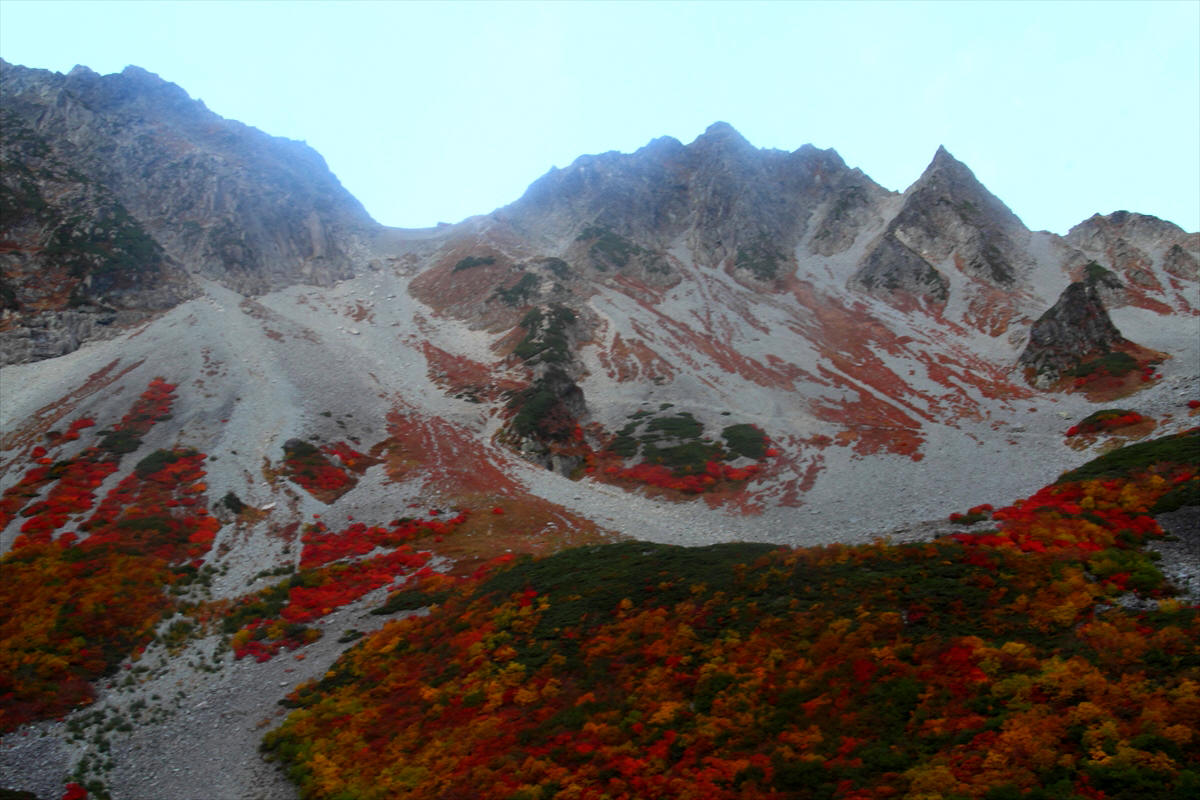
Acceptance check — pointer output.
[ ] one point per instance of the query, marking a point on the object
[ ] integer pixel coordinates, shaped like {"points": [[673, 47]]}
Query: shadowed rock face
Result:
{"points": [[74, 264], [947, 215], [891, 267], [1074, 327], [225, 200]]}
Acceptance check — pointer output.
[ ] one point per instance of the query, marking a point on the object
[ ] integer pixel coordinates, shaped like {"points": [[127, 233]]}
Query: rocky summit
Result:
{"points": [[240, 411]]}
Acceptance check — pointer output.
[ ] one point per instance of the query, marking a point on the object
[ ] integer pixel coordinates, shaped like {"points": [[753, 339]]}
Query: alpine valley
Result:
{"points": [[702, 471]]}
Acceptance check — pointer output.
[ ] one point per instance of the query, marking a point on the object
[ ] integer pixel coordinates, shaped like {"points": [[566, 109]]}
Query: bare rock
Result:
{"points": [[1074, 327]]}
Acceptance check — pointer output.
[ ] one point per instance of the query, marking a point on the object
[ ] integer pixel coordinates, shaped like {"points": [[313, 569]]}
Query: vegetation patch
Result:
{"points": [[1179, 448], [1109, 419], [607, 248], [79, 600], [520, 292], [544, 410], [973, 515], [474, 261], [311, 467], [336, 568], [546, 336], [1115, 364], [745, 440], [675, 454], [749, 671]]}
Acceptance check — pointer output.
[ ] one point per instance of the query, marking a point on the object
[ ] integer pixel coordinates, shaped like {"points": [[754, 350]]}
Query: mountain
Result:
{"points": [[222, 377], [175, 188]]}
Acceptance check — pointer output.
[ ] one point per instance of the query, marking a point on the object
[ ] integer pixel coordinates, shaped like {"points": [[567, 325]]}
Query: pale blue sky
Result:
{"points": [[436, 111]]}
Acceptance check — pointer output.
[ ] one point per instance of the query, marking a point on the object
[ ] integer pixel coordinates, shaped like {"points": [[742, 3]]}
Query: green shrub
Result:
{"points": [[745, 440], [521, 291], [1180, 448], [474, 261], [233, 503], [120, 442], [1116, 364], [155, 461]]}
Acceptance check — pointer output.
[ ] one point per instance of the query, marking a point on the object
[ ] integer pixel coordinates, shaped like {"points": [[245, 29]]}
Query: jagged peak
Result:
{"points": [[721, 136], [660, 147], [944, 163], [948, 178]]}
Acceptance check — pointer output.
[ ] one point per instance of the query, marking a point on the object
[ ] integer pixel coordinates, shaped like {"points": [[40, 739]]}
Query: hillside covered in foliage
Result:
{"points": [[1041, 658]]}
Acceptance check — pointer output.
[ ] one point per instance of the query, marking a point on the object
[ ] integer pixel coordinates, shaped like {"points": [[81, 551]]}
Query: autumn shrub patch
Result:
{"points": [[1113, 371], [336, 568], [1182, 448], [986, 665], [974, 514], [1109, 419], [675, 454], [79, 602], [310, 467]]}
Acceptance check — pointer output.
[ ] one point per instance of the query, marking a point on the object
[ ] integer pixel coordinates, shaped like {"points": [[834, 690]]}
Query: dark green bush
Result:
{"points": [[155, 461], [120, 442], [474, 261], [745, 440], [1117, 364], [521, 291]]}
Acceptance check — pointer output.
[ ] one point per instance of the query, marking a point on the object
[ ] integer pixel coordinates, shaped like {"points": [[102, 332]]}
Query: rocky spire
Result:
{"points": [[1075, 327], [948, 220]]}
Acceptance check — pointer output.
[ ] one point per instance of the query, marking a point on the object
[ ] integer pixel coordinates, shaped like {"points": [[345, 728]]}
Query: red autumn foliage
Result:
{"points": [[77, 605], [1104, 421], [312, 469], [75, 792], [330, 578], [665, 478], [973, 666]]}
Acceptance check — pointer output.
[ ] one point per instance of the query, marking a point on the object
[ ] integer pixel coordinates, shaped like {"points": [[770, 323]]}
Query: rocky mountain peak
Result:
{"points": [[948, 180], [1143, 230], [721, 194], [949, 220], [722, 140]]}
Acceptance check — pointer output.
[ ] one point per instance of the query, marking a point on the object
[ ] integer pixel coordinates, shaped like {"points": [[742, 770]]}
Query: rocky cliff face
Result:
{"points": [[225, 200], [948, 220], [74, 264]]}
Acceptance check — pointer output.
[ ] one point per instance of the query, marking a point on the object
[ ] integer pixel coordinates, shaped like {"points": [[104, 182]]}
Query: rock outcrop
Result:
{"points": [[1074, 328]]}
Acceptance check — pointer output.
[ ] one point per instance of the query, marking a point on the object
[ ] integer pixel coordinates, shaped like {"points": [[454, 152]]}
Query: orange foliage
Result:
{"points": [[75, 607], [978, 663]]}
